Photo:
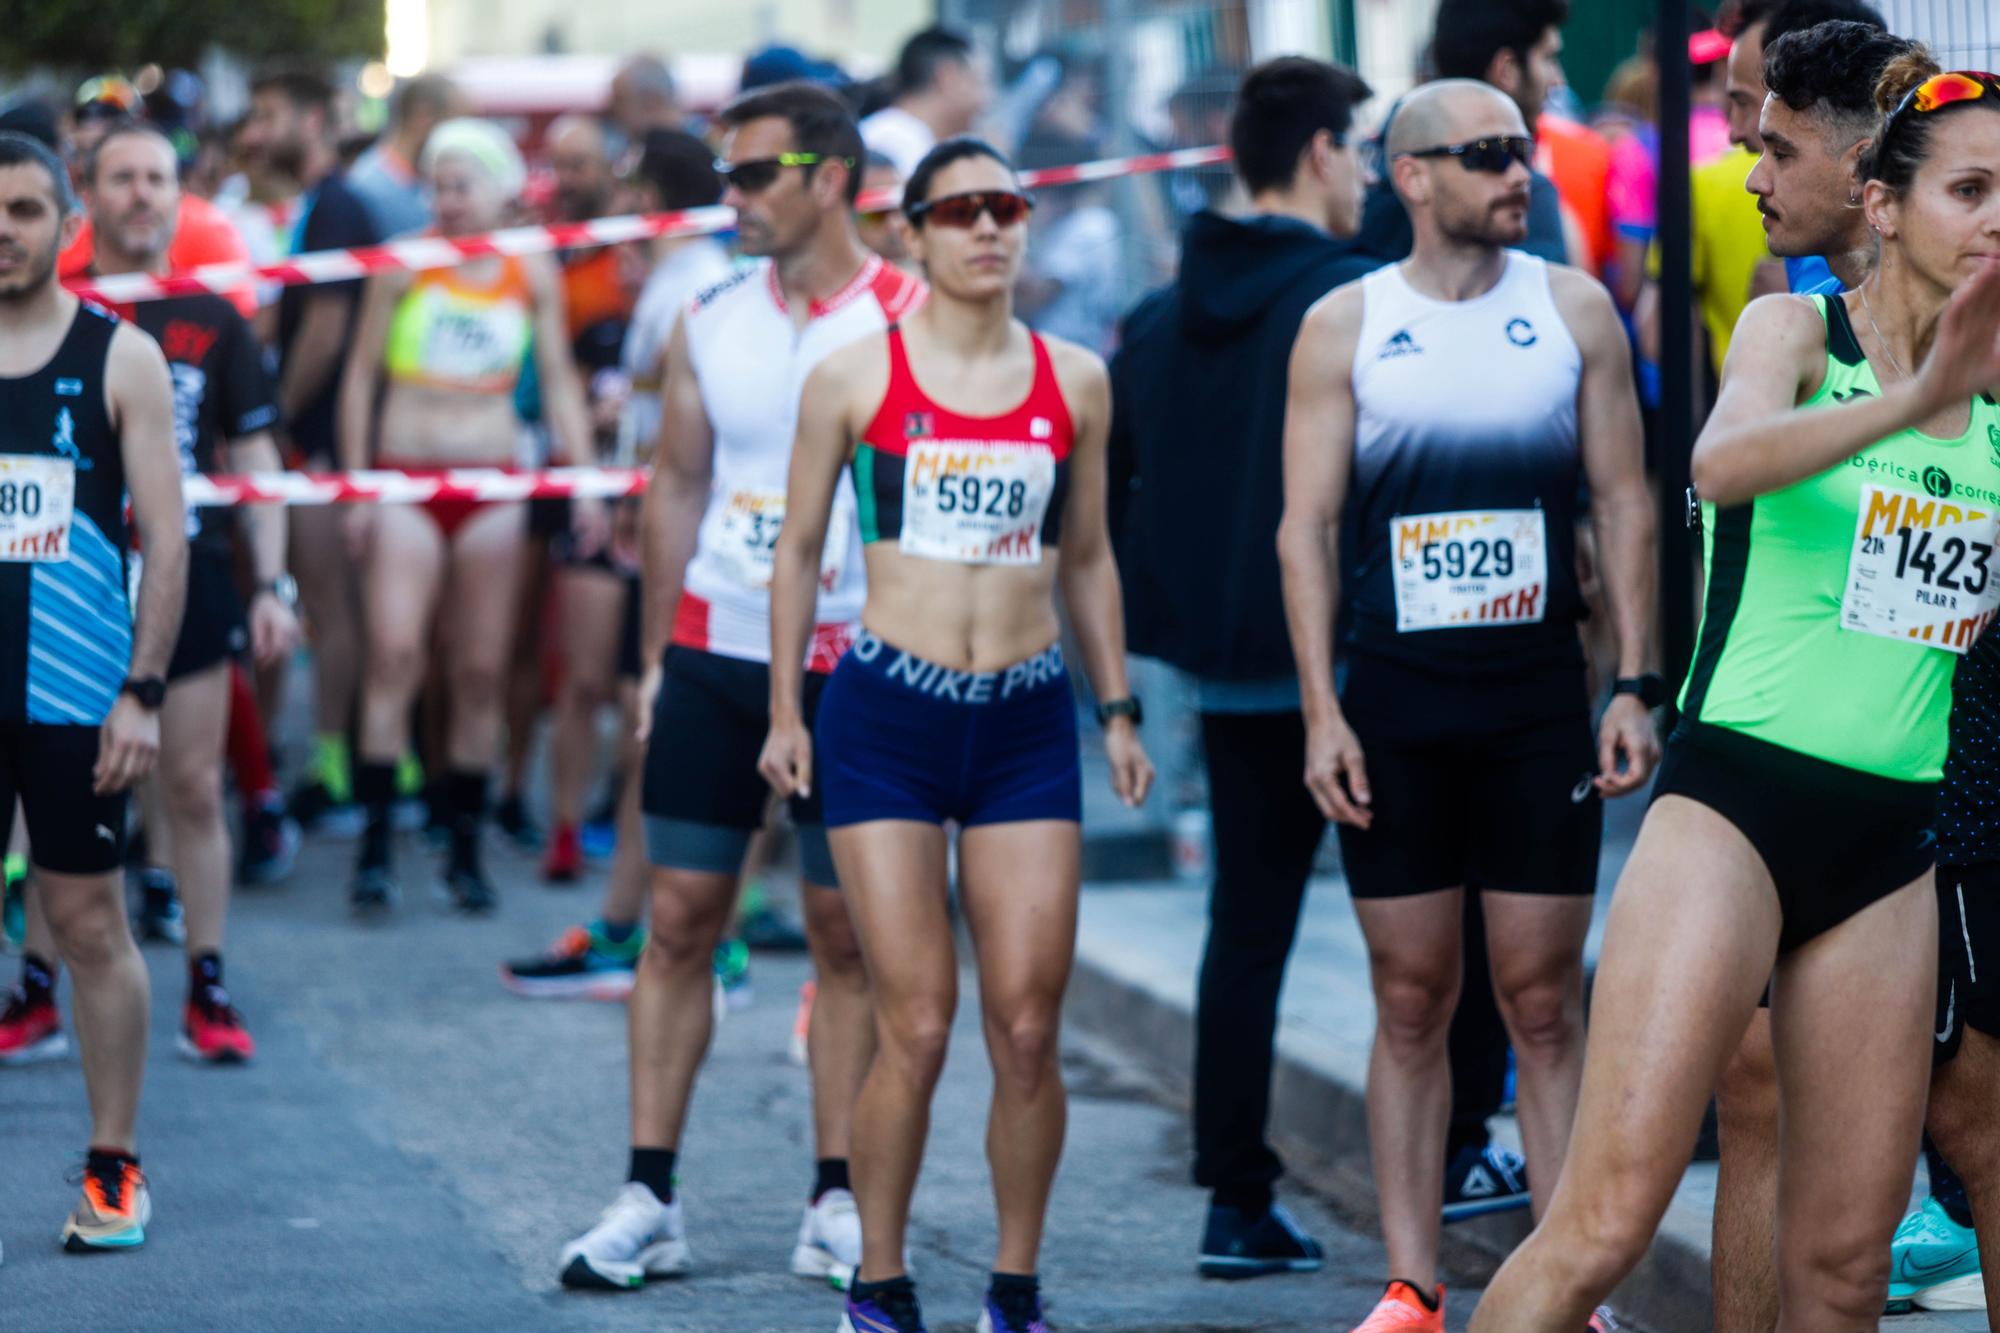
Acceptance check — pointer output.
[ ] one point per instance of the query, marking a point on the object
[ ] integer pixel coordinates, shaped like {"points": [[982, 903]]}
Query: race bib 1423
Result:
{"points": [[1921, 570], [37, 499], [1469, 569], [976, 504]]}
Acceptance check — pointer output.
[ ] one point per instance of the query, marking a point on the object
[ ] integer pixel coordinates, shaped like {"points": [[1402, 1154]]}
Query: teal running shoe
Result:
{"points": [[1934, 1263]]}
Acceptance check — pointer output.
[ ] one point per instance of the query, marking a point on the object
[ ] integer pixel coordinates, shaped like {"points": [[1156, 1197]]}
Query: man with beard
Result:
{"points": [[290, 129], [86, 419], [1459, 755]]}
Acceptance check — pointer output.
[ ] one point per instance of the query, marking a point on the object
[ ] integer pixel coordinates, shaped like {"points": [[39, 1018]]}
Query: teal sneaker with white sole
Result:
{"points": [[1934, 1264]]}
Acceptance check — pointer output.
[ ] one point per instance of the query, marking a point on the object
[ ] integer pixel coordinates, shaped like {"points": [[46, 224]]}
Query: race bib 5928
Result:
{"points": [[37, 498], [1469, 569], [1921, 569], [976, 504]]}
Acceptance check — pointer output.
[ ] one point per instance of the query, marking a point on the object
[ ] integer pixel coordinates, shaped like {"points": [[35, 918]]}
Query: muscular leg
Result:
{"points": [[1018, 885], [1859, 997], [1962, 1124], [1414, 970], [892, 873], [405, 571], [1535, 942], [194, 723], [484, 566], [841, 1038], [1743, 1262], [669, 1015], [625, 890], [591, 607], [1688, 947], [332, 607], [110, 993]]}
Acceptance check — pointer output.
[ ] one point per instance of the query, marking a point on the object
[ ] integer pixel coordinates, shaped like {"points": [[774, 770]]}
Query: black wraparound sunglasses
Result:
{"points": [[758, 173], [1488, 155]]}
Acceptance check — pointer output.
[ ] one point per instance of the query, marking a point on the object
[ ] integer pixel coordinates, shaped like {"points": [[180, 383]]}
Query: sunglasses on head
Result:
{"points": [[1489, 155], [962, 210], [1943, 90], [758, 173]]}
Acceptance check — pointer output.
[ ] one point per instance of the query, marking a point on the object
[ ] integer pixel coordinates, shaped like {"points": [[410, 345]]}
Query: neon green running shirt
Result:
{"points": [[1837, 607]]}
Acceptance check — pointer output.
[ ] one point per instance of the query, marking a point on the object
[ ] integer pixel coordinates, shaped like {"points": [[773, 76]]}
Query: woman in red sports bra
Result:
{"points": [[976, 449], [451, 345]]}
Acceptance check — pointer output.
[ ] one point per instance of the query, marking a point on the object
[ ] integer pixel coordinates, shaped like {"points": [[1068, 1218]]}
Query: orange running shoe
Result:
{"points": [[212, 1032], [115, 1209], [1403, 1309]]}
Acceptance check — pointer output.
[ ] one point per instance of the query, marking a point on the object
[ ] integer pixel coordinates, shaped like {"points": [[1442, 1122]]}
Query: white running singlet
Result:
{"points": [[751, 364]]}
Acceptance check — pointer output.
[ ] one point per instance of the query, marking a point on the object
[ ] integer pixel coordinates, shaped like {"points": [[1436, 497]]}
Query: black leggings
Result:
{"points": [[1266, 833]]}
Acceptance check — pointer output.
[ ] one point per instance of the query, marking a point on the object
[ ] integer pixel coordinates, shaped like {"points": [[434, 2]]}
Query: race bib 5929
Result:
{"points": [[1469, 569], [37, 498], [976, 504], [1921, 569]]}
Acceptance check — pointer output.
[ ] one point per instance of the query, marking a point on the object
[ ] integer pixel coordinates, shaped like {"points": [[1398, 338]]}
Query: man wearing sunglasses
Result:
{"points": [[1448, 408], [734, 367]]}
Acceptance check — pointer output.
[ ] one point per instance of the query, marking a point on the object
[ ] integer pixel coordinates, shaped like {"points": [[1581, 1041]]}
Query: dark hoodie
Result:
{"points": [[1197, 433]]}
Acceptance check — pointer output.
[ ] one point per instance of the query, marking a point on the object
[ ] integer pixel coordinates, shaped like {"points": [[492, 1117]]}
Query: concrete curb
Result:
{"points": [[1319, 1121]]}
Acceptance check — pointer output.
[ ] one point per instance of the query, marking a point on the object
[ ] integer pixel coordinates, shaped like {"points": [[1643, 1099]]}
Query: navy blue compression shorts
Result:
{"points": [[902, 738]]}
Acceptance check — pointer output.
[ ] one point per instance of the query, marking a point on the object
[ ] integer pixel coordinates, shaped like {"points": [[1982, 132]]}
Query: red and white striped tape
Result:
{"points": [[429, 252], [382, 486]]}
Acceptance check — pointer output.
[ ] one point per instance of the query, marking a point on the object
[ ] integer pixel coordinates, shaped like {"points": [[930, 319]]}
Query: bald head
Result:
{"points": [[1451, 111], [643, 96], [580, 157]]}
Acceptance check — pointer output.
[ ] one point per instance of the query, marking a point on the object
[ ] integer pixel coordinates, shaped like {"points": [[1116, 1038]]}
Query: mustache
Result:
{"points": [[1512, 201]]}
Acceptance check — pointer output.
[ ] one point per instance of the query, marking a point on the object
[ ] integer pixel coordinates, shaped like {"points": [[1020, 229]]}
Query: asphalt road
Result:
{"points": [[413, 1145]]}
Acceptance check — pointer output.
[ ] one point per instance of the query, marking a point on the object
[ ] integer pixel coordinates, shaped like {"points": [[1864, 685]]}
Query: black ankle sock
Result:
{"points": [[829, 1173], [204, 969], [860, 1291], [107, 1159], [465, 798], [654, 1168], [1026, 1284], [38, 979], [1946, 1187], [1250, 1200], [375, 790]]}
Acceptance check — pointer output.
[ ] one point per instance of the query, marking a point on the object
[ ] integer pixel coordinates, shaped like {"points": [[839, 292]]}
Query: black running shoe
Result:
{"points": [[317, 812], [469, 890], [1484, 1180], [511, 815], [767, 930], [270, 845], [1240, 1244], [158, 920], [374, 890]]}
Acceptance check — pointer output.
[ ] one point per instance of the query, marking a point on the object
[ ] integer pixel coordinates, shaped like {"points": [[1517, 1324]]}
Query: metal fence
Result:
{"points": [[1962, 34]]}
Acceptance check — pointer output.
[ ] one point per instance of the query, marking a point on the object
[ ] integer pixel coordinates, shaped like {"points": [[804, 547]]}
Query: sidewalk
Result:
{"points": [[1138, 950]]}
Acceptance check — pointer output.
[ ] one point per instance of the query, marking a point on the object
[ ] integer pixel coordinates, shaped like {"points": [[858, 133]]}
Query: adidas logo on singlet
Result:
{"points": [[1402, 344]]}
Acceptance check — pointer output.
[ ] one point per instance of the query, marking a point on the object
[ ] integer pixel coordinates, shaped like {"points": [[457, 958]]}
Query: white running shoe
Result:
{"points": [[638, 1237], [829, 1239]]}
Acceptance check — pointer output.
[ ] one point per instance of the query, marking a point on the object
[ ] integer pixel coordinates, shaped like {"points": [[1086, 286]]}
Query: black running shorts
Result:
{"points": [[1834, 839], [1968, 954], [71, 830], [213, 626], [1511, 809], [702, 795]]}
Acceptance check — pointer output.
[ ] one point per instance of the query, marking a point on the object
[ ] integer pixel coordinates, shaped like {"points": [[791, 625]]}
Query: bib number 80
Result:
{"points": [[1478, 559], [23, 499], [968, 494]]}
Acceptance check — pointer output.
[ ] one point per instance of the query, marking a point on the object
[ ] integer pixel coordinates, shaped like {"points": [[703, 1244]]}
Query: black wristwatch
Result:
{"points": [[1650, 688], [1129, 706], [285, 588], [150, 691]]}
